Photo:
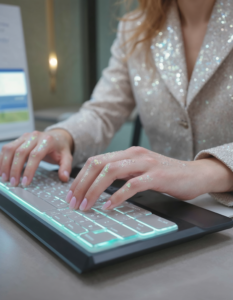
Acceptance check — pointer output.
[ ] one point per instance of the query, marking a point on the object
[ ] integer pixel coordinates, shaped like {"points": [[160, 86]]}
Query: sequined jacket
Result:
{"points": [[182, 119]]}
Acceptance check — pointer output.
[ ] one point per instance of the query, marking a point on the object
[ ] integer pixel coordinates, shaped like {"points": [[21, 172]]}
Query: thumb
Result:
{"points": [[65, 166]]}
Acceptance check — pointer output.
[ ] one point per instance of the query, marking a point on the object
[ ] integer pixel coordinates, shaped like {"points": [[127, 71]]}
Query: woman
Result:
{"points": [[173, 59]]}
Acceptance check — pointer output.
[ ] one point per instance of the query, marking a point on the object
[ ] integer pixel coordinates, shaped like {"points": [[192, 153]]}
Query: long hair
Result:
{"points": [[154, 13]]}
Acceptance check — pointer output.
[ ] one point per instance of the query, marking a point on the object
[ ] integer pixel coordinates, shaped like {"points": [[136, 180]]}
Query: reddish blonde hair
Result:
{"points": [[154, 14]]}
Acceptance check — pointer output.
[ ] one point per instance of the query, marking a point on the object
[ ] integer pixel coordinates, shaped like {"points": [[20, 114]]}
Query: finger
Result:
{"points": [[65, 165], [8, 151], [88, 174], [96, 162], [20, 157], [43, 147], [111, 172], [132, 187]]}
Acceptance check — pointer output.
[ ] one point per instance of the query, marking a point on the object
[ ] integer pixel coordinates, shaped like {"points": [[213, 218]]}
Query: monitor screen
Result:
{"points": [[16, 113], [13, 97]]}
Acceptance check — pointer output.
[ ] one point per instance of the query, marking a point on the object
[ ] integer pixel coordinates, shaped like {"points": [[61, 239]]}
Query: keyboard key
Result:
{"points": [[44, 195], [157, 222], [81, 220], [52, 213], [106, 222], [34, 201], [124, 209], [60, 218], [91, 226], [104, 196], [98, 204], [75, 228], [73, 215], [135, 214], [117, 216], [98, 237], [139, 209], [57, 203], [121, 230], [57, 193], [137, 226], [92, 214]]}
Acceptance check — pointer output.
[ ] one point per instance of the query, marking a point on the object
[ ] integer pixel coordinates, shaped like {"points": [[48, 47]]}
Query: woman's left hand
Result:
{"points": [[145, 170]]}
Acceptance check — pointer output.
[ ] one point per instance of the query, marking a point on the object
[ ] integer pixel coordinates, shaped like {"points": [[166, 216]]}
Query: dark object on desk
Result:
{"points": [[136, 132], [192, 222]]}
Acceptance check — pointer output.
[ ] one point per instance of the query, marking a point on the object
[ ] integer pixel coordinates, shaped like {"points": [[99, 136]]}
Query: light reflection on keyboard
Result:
{"points": [[97, 229]]}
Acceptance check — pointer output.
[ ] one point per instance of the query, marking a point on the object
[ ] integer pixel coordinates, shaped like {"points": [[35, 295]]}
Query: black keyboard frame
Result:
{"points": [[193, 222]]}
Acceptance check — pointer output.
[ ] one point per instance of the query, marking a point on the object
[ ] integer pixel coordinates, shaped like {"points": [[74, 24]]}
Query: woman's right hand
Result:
{"points": [[53, 146]]}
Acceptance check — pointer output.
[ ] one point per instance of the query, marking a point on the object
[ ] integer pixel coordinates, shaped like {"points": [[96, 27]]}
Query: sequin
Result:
{"points": [[126, 162], [102, 174], [145, 178], [16, 159], [125, 188], [205, 103], [42, 145]]}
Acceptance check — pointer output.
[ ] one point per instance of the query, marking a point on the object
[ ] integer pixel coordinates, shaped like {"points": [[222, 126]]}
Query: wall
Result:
{"points": [[70, 82]]}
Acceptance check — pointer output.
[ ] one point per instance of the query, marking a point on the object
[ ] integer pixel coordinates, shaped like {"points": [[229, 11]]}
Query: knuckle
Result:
{"points": [[111, 167], [49, 137], [90, 160], [20, 150], [35, 132], [138, 150], [7, 148], [150, 160], [133, 183]]}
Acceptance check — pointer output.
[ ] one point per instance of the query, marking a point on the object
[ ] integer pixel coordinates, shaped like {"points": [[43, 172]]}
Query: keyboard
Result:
{"points": [[95, 230]]}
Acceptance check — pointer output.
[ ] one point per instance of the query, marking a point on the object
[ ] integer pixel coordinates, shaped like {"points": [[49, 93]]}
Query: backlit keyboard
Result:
{"points": [[95, 230]]}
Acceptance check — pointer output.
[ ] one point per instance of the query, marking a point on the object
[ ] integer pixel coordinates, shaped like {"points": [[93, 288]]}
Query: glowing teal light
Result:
{"points": [[78, 238]]}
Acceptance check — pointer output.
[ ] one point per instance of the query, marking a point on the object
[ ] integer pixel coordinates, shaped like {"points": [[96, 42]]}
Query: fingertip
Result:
{"points": [[83, 205], [64, 176], [24, 181], [107, 205], [69, 196], [4, 177], [73, 203]]}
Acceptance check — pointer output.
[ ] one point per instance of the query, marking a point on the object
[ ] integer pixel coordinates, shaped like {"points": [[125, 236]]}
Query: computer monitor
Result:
{"points": [[16, 114]]}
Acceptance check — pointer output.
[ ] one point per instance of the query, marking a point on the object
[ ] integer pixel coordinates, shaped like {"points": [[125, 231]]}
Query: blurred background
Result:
{"points": [[79, 34]]}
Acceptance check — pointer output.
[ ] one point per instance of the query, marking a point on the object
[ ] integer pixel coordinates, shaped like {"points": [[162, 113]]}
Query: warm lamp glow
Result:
{"points": [[53, 63]]}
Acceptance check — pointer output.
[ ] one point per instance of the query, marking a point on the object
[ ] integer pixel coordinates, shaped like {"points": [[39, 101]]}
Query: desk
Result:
{"points": [[196, 270]]}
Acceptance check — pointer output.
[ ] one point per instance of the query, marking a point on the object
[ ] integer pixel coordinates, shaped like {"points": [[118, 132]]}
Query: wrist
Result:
{"points": [[216, 176]]}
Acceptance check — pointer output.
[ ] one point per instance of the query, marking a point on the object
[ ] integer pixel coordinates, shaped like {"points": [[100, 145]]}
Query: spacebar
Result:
{"points": [[34, 201]]}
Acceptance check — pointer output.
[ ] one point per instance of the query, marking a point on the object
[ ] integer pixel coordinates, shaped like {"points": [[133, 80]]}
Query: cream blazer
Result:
{"points": [[183, 120]]}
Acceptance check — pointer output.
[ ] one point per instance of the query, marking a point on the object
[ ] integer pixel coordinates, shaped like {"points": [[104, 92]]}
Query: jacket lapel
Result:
{"points": [[217, 44], [169, 57]]}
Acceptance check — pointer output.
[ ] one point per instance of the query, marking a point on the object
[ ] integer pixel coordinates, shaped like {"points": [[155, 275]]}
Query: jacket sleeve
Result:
{"points": [[224, 153], [93, 127]]}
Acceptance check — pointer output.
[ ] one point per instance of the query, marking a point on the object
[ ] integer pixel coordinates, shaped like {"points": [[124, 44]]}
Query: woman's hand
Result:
{"points": [[145, 170], [53, 146]]}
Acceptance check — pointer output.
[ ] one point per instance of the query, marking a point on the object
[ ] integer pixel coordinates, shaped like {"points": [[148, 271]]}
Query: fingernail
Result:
{"points": [[24, 181], [107, 205], [83, 204], [13, 181], [66, 174], [4, 178], [73, 203], [69, 196]]}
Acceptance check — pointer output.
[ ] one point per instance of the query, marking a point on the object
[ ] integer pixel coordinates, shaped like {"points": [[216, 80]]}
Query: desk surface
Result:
{"points": [[200, 269]]}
